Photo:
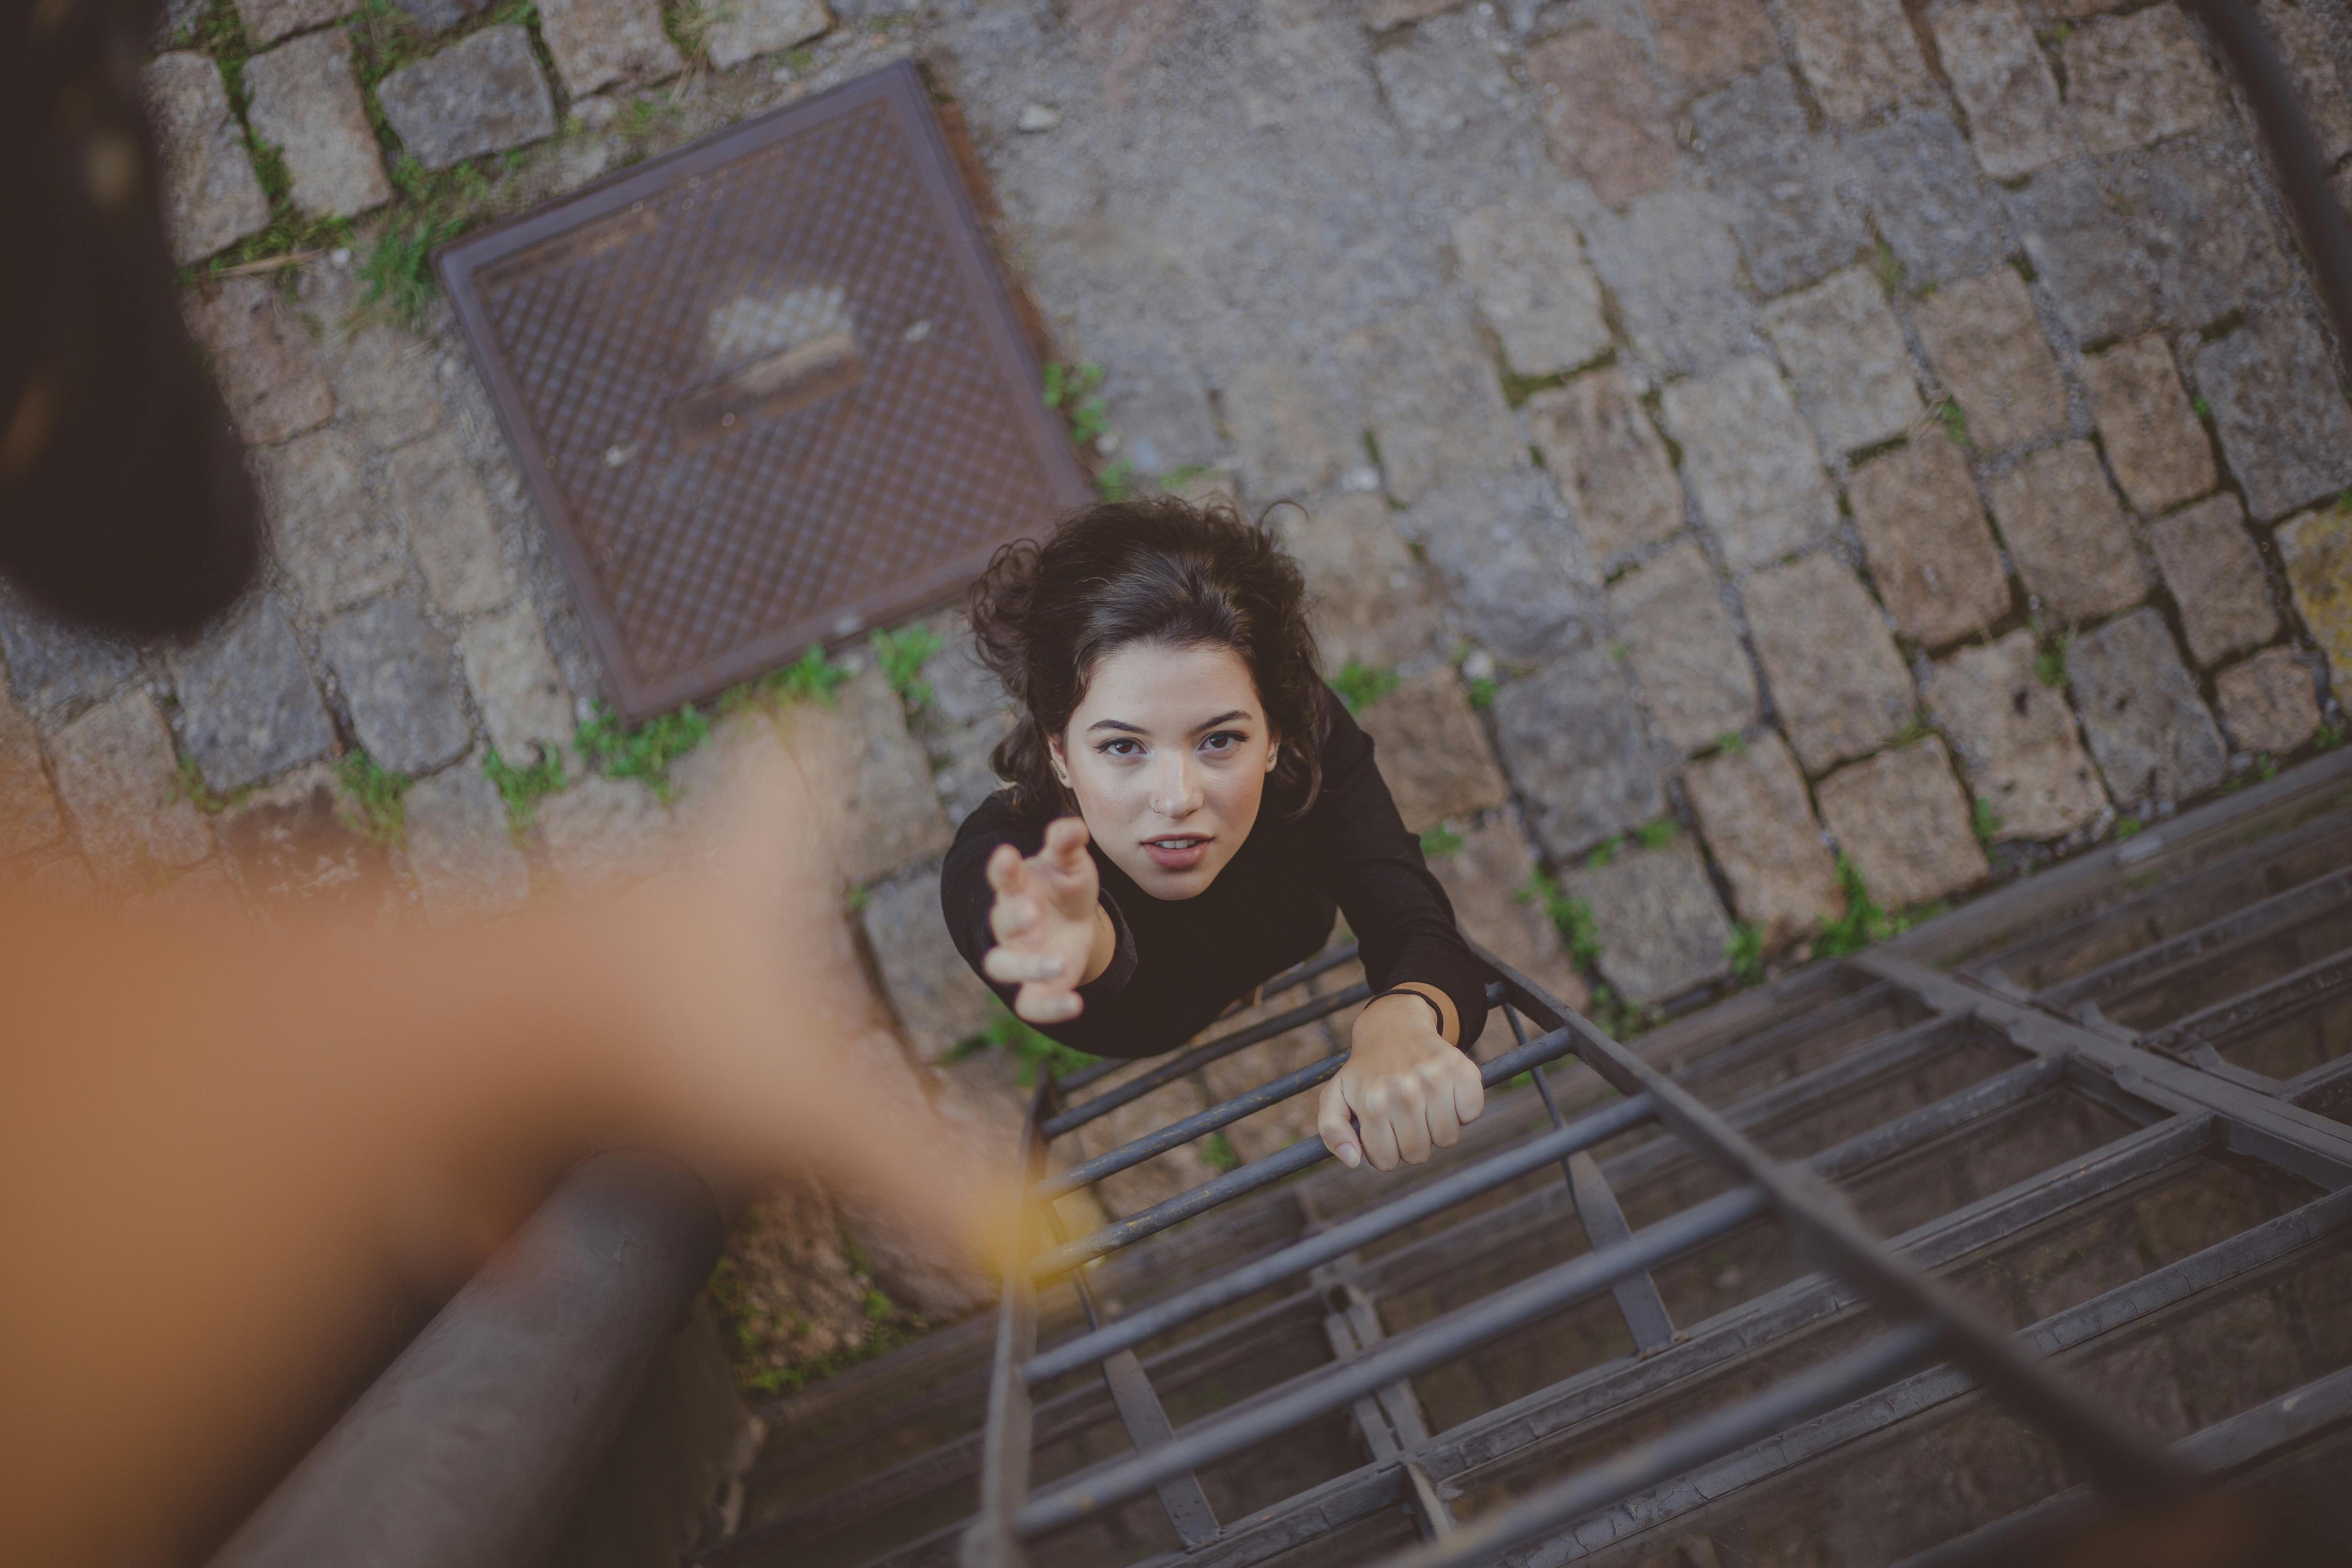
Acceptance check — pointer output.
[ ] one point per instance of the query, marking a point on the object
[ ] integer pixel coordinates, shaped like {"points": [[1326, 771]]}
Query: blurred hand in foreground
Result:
{"points": [[225, 1157]]}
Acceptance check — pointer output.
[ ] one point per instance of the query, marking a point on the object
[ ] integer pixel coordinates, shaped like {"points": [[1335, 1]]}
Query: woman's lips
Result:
{"points": [[1176, 852]]}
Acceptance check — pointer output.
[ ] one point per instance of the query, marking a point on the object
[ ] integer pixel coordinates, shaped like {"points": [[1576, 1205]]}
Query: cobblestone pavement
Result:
{"points": [[1731, 435]]}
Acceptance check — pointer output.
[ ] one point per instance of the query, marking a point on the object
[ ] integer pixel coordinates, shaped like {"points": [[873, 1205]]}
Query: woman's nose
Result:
{"points": [[1178, 793]]}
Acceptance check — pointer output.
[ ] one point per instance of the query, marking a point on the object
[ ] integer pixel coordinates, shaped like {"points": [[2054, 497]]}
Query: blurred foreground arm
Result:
{"points": [[220, 1152]]}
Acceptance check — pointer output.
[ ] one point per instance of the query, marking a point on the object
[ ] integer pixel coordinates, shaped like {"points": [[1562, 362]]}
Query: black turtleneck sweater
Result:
{"points": [[1180, 962]]}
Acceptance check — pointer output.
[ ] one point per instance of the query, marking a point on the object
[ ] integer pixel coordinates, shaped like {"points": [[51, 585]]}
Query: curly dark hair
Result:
{"points": [[1163, 571]]}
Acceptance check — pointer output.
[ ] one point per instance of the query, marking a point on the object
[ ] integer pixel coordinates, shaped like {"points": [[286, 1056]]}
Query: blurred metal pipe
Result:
{"points": [[472, 1447]]}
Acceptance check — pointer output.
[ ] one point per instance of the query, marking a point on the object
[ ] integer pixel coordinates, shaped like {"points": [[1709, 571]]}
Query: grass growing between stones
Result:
{"points": [[902, 655], [1362, 685], [644, 753], [1746, 951], [219, 31], [1986, 823], [523, 788], [1441, 840], [1004, 1032], [1219, 1154], [771, 1336], [813, 678], [190, 785], [1863, 921], [1481, 691], [372, 805]]}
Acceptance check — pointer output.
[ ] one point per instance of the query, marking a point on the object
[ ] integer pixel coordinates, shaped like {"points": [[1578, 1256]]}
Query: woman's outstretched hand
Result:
{"points": [[1405, 1090], [1052, 935]]}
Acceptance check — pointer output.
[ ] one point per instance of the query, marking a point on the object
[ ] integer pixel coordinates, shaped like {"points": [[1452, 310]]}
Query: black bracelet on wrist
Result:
{"points": [[1425, 996]]}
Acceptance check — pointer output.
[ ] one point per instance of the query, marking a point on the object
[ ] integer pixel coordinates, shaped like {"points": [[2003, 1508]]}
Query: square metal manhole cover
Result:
{"points": [[767, 390]]}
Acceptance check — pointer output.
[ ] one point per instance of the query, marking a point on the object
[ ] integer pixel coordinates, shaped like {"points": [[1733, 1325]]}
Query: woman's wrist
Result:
{"points": [[1448, 1022]]}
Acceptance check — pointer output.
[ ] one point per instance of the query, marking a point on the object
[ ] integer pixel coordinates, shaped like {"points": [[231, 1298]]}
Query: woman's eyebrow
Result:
{"points": [[1115, 724], [1226, 718]]}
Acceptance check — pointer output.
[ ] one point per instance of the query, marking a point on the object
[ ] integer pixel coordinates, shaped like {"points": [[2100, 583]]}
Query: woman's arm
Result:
{"points": [[1406, 1087]]}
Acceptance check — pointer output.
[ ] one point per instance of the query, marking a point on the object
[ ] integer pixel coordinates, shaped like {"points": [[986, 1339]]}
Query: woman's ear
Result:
{"points": [[1273, 756], [1059, 763]]}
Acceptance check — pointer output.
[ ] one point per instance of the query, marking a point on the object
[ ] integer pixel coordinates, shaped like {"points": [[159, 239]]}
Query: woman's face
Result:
{"points": [[1167, 756]]}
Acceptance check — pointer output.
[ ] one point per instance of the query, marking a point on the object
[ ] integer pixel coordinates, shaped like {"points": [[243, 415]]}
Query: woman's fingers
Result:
{"points": [[1066, 843], [1007, 871], [1338, 1131], [1469, 1088], [1011, 915], [1012, 966], [1047, 1003], [1375, 1110], [1439, 1110]]}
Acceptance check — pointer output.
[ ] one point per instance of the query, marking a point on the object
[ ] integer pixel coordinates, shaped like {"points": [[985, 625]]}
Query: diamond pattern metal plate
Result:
{"points": [[768, 390]]}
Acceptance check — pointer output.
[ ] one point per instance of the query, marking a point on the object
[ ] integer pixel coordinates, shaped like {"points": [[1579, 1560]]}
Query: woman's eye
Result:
{"points": [[1120, 748], [1222, 740]]}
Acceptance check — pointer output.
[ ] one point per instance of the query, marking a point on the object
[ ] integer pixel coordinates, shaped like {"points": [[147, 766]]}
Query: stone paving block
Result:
{"points": [[2277, 403], [268, 371], [2067, 536], [1519, 577], [1705, 43], [1750, 462], [969, 713], [458, 848], [400, 684], [248, 707], [1432, 400], [266, 21], [1487, 881], [1379, 16], [2015, 738], [2216, 577], [437, 497], [1988, 350], [383, 383], [29, 807], [2267, 703], [1931, 554], [1673, 269], [2098, 274], [1918, 181], [481, 94], [1780, 180], [1446, 86], [2316, 551], [116, 776], [330, 535], [523, 700], [53, 663], [2302, 40], [202, 895], [1602, 113], [2133, 80], [438, 16], [1291, 440], [1572, 739], [1661, 928], [1432, 752], [1684, 651], [602, 832], [1902, 821], [1751, 807], [939, 999], [302, 99], [1609, 461], [1275, 1128], [1832, 668], [869, 777], [595, 43], [1858, 55], [210, 194], [2150, 730], [291, 847], [1844, 351], [1370, 603], [61, 878], [749, 28], [1527, 262], [2197, 209], [2154, 442], [1997, 71]]}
